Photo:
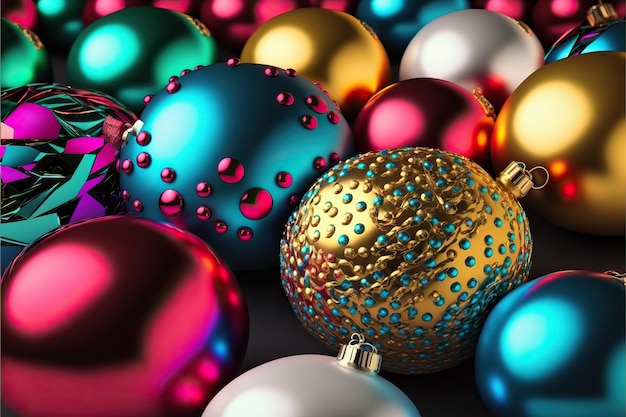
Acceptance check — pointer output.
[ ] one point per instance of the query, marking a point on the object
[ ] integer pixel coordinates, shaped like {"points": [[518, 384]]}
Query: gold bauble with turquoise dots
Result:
{"points": [[411, 247]]}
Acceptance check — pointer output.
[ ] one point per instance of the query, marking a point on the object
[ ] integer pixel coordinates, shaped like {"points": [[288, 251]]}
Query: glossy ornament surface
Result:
{"points": [[517, 9], [410, 247], [227, 150], [233, 21], [56, 167], [24, 57], [96, 9], [59, 22], [119, 317], [569, 117], [128, 55], [427, 112], [551, 19], [397, 21], [555, 347], [342, 388], [22, 12], [474, 48], [604, 31], [329, 47]]}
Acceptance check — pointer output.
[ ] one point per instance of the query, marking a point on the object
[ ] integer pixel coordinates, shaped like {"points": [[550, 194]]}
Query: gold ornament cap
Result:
{"points": [[600, 13], [517, 179], [360, 355]]}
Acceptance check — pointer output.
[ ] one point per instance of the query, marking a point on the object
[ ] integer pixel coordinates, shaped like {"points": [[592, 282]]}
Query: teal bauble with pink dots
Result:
{"points": [[227, 150]]}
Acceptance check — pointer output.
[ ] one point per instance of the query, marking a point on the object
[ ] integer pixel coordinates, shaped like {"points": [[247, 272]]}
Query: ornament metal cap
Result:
{"points": [[600, 13], [519, 180], [360, 355], [115, 131]]}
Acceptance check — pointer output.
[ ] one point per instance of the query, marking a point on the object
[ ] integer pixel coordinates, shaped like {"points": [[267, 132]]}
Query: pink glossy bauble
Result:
{"points": [[426, 112], [553, 18], [119, 317], [517, 9], [232, 22], [22, 12], [95, 9]]}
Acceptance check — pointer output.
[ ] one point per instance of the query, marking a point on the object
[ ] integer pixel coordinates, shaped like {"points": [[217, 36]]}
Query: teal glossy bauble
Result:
{"points": [[59, 22], [227, 150], [555, 347], [24, 58], [133, 52]]}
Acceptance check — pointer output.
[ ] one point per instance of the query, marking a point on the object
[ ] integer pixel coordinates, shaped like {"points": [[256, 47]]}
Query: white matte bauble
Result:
{"points": [[474, 48], [311, 386]]}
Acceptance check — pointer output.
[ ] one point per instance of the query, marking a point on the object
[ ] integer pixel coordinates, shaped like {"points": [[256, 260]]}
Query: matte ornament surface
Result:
{"points": [[410, 247], [569, 116], [555, 347], [475, 48], [427, 112], [232, 149], [119, 317], [128, 54], [329, 47], [24, 57], [275, 389], [608, 36]]}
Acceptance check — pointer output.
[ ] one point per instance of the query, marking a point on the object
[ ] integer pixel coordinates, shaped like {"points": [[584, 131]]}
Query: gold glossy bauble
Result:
{"points": [[569, 117], [329, 47], [410, 247]]}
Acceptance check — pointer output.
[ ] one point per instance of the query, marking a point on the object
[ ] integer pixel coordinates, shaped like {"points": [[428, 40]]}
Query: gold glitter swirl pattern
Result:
{"points": [[411, 247]]}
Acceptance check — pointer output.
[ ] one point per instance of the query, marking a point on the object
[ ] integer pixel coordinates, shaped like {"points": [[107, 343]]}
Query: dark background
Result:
{"points": [[275, 331]]}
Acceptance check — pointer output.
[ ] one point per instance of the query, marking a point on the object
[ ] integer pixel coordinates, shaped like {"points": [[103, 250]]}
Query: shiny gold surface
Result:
{"points": [[411, 248], [569, 117], [329, 47]]}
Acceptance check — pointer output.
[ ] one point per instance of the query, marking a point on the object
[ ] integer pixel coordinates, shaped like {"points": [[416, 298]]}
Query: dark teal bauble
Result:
{"points": [[226, 151], [24, 58], [555, 347], [397, 21], [604, 37], [133, 52], [59, 22]]}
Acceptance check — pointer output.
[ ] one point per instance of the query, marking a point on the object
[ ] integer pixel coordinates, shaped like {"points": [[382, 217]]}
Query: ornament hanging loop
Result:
{"points": [[360, 355], [519, 180]]}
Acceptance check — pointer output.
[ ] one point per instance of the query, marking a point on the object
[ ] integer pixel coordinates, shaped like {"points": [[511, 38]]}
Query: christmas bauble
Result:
{"points": [[410, 247], [189, 7], [555, 347], [95, 9], [119, 317], [346, 57], [427, 112], [569, 117], [552, 18], [517, 9], [129, 55], [232, 22], [604, 31], [474, 48], [396, 22], [56, 167], [60, 22], [22, 12], [227, 150], [24, 58], [344, 386]]}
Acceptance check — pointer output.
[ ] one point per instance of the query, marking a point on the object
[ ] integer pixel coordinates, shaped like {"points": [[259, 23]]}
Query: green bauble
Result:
{"points": [[24, 58], [59, 22], [132, 53]]}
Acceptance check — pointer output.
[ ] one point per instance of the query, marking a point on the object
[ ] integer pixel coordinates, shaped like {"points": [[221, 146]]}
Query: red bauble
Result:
{"points": [[189, 7], [426, 112], [119, 317], [517, 9], [22, 12], [553, 18], [232, 22], [95, 9]]}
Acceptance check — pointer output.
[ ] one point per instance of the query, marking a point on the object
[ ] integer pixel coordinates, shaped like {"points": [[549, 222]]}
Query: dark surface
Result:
{"points": [[276, 332]]}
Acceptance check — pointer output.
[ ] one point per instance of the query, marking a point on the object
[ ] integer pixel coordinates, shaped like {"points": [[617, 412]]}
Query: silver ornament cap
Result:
{"points": [[360, 355]]}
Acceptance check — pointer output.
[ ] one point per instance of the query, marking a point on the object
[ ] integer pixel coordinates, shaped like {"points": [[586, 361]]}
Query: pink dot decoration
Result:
{"points": [[230, 170], [171, 203], [256, 203]]}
